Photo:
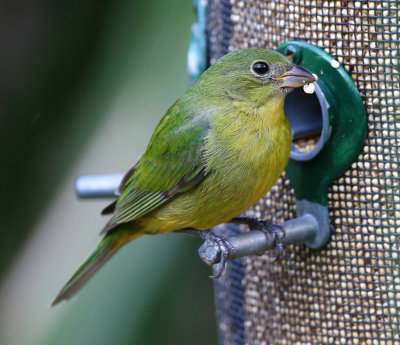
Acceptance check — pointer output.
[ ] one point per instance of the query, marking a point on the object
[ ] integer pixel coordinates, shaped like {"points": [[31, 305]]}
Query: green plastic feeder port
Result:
{"points": [[336, 113]]}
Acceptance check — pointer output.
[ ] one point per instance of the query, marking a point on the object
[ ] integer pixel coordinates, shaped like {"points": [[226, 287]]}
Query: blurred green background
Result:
{"points": [[83, 85]]}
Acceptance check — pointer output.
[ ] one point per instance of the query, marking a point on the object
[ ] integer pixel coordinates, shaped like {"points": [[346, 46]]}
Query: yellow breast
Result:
{"points": [[246, 154]]}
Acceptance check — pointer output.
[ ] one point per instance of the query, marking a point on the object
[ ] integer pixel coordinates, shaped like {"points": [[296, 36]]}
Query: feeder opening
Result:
{"points": [[308, 117]]}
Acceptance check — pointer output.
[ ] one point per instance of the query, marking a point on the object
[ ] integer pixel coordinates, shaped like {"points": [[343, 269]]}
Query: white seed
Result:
{"points": [[309, 88]]}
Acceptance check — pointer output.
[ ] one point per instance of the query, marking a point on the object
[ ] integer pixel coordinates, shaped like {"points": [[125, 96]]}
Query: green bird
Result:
{"points": [[216, 151]]}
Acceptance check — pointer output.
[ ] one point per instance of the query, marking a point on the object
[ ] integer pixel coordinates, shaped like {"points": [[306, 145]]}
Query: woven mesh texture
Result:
{"points": [[349, 292]]}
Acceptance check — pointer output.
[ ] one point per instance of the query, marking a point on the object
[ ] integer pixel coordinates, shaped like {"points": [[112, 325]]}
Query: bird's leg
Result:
{"points": [[265, 226], [223, 247]]}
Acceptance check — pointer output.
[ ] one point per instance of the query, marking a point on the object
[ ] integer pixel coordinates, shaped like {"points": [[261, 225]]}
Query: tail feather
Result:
{"points": [[103, 252]]}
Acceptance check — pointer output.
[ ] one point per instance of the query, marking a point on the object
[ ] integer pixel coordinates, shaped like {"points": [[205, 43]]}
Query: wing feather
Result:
{"points": [[173, 163]]}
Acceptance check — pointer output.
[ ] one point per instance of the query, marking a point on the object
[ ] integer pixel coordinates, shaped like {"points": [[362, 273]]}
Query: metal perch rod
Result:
{"points": [[255, 242], [97, 186]]}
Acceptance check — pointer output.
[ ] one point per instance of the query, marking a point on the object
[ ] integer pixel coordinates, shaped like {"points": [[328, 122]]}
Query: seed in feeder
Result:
{"points": [[335, 64], [309, 88]]}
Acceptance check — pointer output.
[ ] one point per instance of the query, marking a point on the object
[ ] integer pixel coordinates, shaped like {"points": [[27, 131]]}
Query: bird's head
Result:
{"points": [[255, 76]]}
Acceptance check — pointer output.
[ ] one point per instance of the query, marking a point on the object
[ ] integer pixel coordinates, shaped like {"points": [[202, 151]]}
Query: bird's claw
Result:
{"points": [[267, 227], [221, 251], [270, 228]]}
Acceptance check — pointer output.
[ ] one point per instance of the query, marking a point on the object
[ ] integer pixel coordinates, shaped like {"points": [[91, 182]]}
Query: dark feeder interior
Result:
{"points": [[308, 117]]}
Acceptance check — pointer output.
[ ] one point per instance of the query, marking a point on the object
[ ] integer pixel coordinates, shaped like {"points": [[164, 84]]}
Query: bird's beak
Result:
{"points": [[296, 76]]}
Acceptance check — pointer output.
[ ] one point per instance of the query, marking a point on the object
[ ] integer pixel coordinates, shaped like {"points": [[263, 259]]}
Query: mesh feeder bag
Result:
{"points": [[348, 292]]}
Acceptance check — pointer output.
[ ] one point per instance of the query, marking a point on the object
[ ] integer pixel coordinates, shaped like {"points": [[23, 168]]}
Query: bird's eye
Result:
{"points": [[260, 67]]}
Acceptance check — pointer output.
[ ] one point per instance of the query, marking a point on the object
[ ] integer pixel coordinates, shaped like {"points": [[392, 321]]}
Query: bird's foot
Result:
{"points": [[224, 250], [267, 227], [221, 249]]}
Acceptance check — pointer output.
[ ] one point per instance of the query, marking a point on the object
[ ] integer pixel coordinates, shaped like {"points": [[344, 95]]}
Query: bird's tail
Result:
{"points": [[104, 251]]}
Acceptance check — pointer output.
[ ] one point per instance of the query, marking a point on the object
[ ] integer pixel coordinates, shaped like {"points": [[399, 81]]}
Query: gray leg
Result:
{"points": [[224, 247]]}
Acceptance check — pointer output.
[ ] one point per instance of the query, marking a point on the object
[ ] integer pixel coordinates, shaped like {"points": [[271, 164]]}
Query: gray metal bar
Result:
{"points": [[97, 186], [298, 230]]}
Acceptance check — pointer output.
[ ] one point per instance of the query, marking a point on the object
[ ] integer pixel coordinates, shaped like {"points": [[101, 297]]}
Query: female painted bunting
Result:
{"points": [[216, 151]]}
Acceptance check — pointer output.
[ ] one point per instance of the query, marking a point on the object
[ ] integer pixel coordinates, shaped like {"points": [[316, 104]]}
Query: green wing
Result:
{"points": [[173, 163]]}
